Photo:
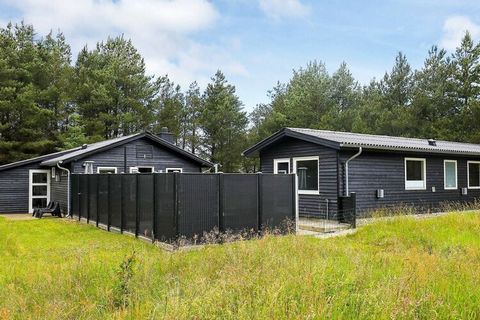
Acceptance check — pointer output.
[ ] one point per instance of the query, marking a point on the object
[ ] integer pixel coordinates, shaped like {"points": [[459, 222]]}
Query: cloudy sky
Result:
{"points": [[257, 42]]}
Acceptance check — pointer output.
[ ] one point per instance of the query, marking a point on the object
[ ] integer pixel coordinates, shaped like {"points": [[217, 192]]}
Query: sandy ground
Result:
{"points": [[17, 216]]}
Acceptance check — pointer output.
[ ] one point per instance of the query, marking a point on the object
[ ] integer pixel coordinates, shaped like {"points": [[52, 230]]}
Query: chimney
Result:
{"points": [[432, 142], [165, 135]]}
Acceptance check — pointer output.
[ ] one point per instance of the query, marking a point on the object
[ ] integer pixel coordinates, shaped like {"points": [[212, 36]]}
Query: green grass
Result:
{"points": [[405, 268]]}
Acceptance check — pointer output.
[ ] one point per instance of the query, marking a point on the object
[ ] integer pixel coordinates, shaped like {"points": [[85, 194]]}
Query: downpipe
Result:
{"points": [[347, 189], [68, 187]]}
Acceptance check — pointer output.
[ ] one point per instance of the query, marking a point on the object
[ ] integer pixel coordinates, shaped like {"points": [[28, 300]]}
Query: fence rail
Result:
{"points": [[164, 206]]}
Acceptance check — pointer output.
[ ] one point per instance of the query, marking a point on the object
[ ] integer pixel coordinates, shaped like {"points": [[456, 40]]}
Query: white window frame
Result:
{"points": [[468, 174], [53, 173], [316, 158], [135, 169], [107, 168], [31, 184], [445, 175], [174, 170], [280, 160], [424, 181]]}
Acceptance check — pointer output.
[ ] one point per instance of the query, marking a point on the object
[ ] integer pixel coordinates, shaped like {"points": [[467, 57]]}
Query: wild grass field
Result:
{"points": [[401, 268]]}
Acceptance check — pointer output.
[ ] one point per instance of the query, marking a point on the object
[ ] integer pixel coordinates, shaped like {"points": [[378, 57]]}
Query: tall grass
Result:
{"points": [[401, 268]]}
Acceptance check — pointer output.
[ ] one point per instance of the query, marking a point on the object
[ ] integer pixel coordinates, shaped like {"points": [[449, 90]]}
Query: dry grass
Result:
{"points": [[401, 268]]}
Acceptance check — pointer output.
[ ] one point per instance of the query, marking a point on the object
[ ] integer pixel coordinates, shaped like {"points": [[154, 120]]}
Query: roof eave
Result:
{"points": [[286, 132], [416, 150]]}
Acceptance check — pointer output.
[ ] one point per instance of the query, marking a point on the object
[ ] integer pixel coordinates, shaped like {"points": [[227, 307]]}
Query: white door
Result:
{"points": [[38, 189]]}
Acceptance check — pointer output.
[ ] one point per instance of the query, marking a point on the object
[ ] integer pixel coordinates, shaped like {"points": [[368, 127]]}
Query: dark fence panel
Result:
{"points": [[83, 196], [165, 206], [240, 201], [115, 201], [165, 222], [92, 198], [198, 203], [129, 205], [145, 204], [102, 199], [74, 193], [277, 199]]}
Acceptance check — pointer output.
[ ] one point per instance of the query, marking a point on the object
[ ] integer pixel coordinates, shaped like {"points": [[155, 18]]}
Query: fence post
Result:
{"points": [[98, 200], [154, 201], [88, 200], [221, 221], [259, 201], [295, 201], [136, 205], [108, 203], [353, 199], [175, 201], [122, 205]]}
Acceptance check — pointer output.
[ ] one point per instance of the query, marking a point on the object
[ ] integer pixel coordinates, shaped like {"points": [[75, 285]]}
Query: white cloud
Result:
{"points": [[162, 30], [284, 8], [454, 29]]}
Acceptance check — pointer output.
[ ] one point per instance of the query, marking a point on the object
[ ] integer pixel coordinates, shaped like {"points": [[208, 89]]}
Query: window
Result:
{"points": [[281, 166], [103, 170], [415, 172], [53, 172], [174, 170], [39, 189], [142, 169], [473, 174], [306, 169], [450, 174]]}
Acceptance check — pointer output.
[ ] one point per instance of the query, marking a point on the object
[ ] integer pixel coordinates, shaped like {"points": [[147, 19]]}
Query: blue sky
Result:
{"points": [[257, 42]]}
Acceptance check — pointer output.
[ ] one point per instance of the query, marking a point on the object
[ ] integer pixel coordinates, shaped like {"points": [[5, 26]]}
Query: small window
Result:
{"points": [[168, 170], [142, 169], [106, 170], [281, 166], [306, 169], [450, 174], [473, 168], [415, 174], [53, 172]]}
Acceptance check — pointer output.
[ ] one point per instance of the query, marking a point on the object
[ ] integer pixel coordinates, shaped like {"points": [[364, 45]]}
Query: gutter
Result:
{"points": [[347, 191], [68, 185]]}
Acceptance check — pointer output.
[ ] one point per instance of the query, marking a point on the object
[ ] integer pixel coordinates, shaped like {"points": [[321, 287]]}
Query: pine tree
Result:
{"points": [[223, 124], [114, 95], [34, 92], [193, 110]]}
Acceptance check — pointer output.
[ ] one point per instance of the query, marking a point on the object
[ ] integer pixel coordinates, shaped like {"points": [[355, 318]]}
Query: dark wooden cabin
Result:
{"points": [[384, 171], [32, 183]]}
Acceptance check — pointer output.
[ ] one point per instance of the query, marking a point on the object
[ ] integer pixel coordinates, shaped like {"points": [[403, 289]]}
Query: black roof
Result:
{"points": [[81, 152], [338, 140]]}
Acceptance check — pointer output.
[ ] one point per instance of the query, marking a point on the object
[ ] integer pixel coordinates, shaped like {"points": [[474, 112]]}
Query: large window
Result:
{"points": [[415, 172], [281, 166], [306, 169], [450, 174], [473, 168]]}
